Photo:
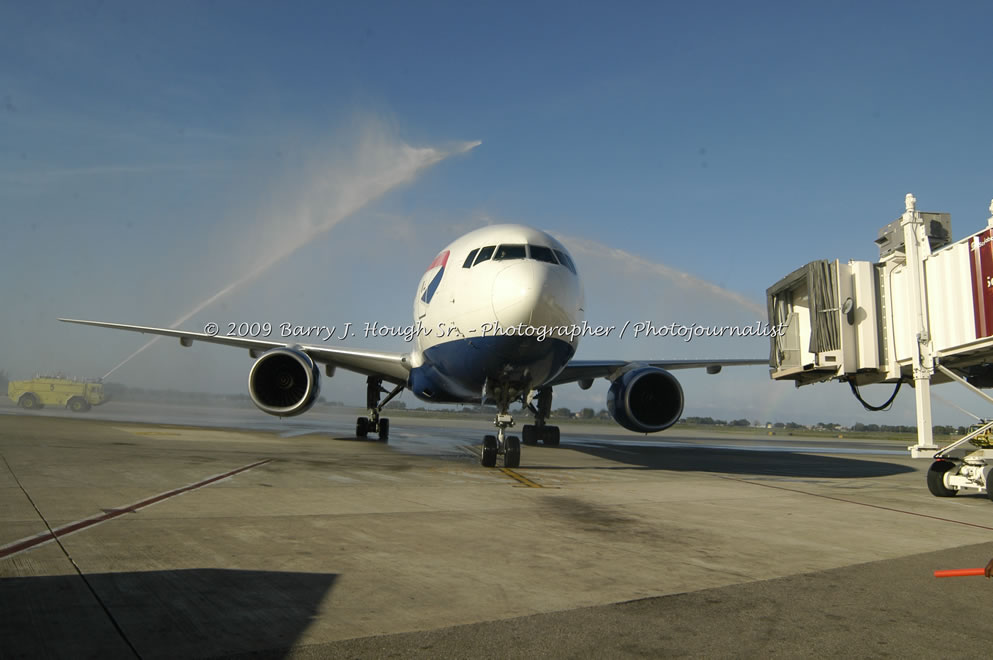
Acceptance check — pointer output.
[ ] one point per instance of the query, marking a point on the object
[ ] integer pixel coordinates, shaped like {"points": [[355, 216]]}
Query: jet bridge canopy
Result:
{"points": [[923, 314], [821, 328], [854, 321]]}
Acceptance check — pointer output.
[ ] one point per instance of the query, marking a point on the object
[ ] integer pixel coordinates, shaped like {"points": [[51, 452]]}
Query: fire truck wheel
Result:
{"points": [[29, 401]]}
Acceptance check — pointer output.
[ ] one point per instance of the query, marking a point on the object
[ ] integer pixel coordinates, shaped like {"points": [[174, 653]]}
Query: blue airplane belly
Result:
{"points": [[456, 371]]}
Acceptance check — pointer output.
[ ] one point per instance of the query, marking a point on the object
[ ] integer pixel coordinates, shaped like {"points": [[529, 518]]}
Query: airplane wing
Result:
{"points": [[610, 369], [392, 367]]}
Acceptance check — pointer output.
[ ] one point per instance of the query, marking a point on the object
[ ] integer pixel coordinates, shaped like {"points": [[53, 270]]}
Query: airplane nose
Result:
{"points": [[516, 290], [536, 294]]}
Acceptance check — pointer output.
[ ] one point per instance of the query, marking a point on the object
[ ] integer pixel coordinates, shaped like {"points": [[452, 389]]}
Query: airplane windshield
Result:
{"points": [[565, 261], [514, 251], [542, 253], [510, 252], [484, 254]]}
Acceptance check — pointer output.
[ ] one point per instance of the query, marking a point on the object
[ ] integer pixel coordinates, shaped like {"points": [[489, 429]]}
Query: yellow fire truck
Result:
{"points": [[76, 395]]}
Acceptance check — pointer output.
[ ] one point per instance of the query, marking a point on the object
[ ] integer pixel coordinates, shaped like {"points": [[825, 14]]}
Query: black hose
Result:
{"points": [[885, 406]]}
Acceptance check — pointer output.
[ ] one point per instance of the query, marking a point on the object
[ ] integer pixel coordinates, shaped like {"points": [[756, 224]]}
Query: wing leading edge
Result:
{"points": [[392, 367]]}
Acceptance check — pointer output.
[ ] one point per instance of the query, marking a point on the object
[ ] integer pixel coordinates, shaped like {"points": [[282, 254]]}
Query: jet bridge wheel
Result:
{"points": [[936, 479], [488, 454]]}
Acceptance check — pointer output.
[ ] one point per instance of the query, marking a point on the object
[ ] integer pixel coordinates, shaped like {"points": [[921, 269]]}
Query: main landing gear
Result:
{"points": [[374, 423], [539, 430], [509, 446]]}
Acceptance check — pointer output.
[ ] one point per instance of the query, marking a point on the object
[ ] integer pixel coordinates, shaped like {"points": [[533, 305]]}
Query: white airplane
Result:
{"points": [[497, 318]]}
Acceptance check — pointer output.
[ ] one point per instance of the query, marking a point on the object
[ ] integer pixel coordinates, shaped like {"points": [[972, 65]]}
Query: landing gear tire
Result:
{"points": [[29, 401], [512, 452], [936, 479], [488, 454], [529, 434], [374, 423], [550, 436]]}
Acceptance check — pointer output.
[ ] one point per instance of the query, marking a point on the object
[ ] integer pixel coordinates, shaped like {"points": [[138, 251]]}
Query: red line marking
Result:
{"points": [[871, 506], [440, 260], [45, 537]]}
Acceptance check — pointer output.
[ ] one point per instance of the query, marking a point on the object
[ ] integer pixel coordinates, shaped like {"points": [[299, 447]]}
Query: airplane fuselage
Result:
{"points": [[498, 309]]}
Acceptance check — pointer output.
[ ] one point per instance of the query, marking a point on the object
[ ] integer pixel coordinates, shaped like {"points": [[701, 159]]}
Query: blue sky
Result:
{"points": [[149, 154]]}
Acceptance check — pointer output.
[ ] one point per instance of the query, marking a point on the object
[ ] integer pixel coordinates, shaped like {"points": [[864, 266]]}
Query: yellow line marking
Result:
{"points": [[520, 477]]}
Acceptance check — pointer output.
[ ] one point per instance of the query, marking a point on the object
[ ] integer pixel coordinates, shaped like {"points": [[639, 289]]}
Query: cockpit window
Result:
{"points": [[484, 254], [468, 260], [510, 252], [565, 260], [542, 253]]}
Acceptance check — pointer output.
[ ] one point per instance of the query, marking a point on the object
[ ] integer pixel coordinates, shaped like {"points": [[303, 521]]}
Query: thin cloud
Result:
{"points": [[596, 250]]}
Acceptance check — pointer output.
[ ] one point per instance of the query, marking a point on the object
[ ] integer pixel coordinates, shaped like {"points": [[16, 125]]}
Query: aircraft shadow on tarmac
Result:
{"points": [[734, 461], [164, 614]]}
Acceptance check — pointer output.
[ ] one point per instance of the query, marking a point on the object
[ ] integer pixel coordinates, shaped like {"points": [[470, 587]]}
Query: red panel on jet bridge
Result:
{"points": [[981, 265]]}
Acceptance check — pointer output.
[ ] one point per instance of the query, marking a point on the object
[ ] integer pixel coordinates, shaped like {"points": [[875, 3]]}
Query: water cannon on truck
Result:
{"points": [[56, 390]]}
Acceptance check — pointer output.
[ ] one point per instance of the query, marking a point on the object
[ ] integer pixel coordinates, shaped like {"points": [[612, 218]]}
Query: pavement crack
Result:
{"points": [[65, 551]]}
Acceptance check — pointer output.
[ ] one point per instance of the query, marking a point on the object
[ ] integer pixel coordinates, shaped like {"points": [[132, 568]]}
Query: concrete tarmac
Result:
{"points": [[197, 541]]}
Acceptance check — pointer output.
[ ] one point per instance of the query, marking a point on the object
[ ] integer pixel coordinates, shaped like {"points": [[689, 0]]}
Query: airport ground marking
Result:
{"points": [[521, 478], [22, 545], [872, 506], [507, 471]]}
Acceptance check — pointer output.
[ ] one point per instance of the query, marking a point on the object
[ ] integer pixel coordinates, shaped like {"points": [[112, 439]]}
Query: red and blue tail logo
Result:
{"points": [[439, 262]]}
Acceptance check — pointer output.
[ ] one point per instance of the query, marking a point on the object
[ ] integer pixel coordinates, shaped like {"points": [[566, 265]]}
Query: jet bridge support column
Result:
{"points": [[918, 247]]}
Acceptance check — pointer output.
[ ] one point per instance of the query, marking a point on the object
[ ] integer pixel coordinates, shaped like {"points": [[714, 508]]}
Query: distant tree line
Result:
{"points": [[120, 392], [585, 413], [827, 426], [710, 421], [937, 429]]}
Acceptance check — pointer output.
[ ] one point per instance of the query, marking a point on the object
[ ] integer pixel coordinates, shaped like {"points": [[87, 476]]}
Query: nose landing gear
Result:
{"points": [[502, 444], [508, 446]]}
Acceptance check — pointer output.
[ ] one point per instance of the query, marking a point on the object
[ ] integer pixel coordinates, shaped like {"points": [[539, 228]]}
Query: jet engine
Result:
{"points": [[284, 382], [645, 400]]}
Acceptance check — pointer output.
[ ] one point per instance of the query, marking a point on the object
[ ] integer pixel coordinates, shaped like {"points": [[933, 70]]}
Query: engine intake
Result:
{"points": [[645, 400], [284, 382]]}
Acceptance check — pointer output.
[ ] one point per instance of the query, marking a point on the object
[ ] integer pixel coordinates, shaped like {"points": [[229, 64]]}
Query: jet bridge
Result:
{"points": [[921, 315]]}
